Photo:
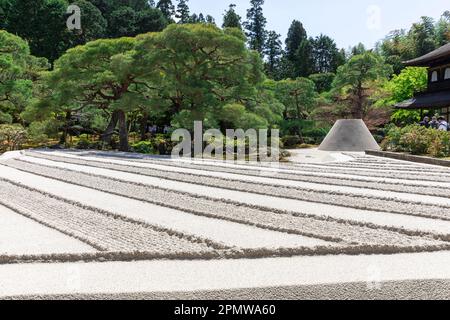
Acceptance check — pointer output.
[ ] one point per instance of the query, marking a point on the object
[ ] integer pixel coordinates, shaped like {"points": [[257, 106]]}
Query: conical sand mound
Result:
{"points": [[349, 135]]}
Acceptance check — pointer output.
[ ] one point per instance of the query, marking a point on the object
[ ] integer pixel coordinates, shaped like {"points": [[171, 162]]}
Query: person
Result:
{"points": [[426, 122], [443, 125], [434, 124]]}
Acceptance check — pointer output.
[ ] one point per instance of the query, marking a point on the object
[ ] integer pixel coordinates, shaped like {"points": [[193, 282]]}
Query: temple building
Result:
{"points": [[436, 98]]}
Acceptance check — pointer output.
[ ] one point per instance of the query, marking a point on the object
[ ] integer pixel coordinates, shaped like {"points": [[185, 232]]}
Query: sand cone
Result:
{"points": [[349, 135]]}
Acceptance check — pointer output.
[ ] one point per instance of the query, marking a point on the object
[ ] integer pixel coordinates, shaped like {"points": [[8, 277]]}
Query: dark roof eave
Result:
{"points": [[426, 100], [426, 60]]}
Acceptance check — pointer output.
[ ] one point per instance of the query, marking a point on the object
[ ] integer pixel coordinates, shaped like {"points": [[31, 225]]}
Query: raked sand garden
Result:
{"points": [[326, 225]]}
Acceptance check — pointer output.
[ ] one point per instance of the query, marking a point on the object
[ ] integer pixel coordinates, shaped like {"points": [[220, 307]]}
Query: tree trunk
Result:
{"points": [[123, 132], [143, 125], [107, 135], [63, 139]]}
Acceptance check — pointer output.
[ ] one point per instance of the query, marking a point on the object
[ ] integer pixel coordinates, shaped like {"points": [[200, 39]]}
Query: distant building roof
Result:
{"points": [[426, 100], [442, 53]]}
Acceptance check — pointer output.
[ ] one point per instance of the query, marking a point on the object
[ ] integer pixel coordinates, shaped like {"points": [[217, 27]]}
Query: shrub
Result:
{"points": [[144, 147], [417, 140], [291, 141], [12, 136]]}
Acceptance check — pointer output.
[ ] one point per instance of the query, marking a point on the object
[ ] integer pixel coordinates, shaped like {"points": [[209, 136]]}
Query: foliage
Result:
{"points": [[17, 71], [418, 140], [12, 136], [323, 81], [298, 97], [355, 78], [256, 26], [231, 19], [273, 52]]}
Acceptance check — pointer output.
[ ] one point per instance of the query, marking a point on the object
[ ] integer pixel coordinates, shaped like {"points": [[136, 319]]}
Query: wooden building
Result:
{"points": [[437, 96]]}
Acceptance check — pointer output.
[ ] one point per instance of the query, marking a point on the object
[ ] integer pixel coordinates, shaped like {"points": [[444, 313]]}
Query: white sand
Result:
{"points": [[379, 218], [228, 233], [264, 171], [290, 183], [20, 236], [188, 276]]}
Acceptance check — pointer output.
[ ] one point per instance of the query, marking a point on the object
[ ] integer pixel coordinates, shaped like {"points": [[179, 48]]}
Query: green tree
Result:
{"points": [[325, 55], [423, 36], [298, 58], [273, 51], [443, 29], [323, 81], [203, 69], [103, 75], [256, 26], [42, 23], [182, 13], [355, 79], [18, 70], [93, 23], [298, 96], [167, 8], [231, 19]]}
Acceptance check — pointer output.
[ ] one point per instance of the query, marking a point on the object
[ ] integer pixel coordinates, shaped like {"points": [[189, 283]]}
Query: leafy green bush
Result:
{"points": [[144, 147], [417, 140], [291, 141], [12, 136]]}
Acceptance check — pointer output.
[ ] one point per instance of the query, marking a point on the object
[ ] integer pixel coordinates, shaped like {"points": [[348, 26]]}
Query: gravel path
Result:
{"points": [[386, 204]]}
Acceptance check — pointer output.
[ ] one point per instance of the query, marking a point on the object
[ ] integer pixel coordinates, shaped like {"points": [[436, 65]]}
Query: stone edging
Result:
{"points": [[409, 157]]}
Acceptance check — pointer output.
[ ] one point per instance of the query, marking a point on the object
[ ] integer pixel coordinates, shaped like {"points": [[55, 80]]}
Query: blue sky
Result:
{"points": [[347, 21]]}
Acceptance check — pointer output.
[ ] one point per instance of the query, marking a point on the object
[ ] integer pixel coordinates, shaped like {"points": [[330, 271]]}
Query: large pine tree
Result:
{"points": [[183, 15], [167, 8], [231, 19], [256, 26], [298, 60], [274, 51], [296, 35]]}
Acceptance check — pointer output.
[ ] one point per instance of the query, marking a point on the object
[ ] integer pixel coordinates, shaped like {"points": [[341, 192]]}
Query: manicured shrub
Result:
{"points": [[12, 136], [417, 140], [144, 147]]}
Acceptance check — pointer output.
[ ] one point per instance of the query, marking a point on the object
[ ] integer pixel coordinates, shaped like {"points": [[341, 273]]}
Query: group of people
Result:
{"points": [[438, 123]]}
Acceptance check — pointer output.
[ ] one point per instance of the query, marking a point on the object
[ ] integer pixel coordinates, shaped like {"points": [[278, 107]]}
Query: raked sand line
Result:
{"points": [[275, 181], [288, 178], [367, 202], [262, 170], [227, 233], [34, 238], [388, 220], [241, 213], [102, 231], [194, 276]]}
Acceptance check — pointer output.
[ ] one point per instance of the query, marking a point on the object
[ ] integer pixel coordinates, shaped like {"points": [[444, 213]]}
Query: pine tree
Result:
{"points": [[273, 50], [255, 25], [183, 12], [298, 60], [210, 19], [296, 35], [231, 19], [325, 55], [167, 8]]}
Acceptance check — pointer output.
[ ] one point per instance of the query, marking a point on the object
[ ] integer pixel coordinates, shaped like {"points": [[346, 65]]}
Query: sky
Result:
{"points": [[348, 22]]}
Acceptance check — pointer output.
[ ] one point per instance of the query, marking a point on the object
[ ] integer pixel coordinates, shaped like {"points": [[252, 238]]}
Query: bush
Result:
{"points": [[12, 136], [291, 141], [417, 140], [144, 147], [84, 143]]}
